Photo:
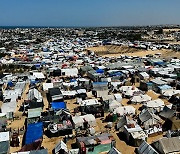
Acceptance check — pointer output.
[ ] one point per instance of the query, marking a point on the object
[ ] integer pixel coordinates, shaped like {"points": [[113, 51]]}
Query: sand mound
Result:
{"points": [[114, 51]]}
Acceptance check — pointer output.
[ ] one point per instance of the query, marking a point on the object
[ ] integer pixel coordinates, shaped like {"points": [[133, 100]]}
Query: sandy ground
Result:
{"points": [[115, 51], [19, 119]]}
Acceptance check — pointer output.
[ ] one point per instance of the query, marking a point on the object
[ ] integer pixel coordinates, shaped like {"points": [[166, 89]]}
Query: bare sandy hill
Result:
{"points": [[114, 51]]}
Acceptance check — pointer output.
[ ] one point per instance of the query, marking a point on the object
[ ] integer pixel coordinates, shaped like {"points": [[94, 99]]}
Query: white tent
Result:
{"points": [[118, 97], [113, 105], [90, 102], [143, 75], [128, 90], [170, 92], [78, 121], [4, 136], [38, 75], [125, 110], [156, 104], [70, 72], [90, 119], [46, 86], [68, 93], [35, 94], [8, 107], [140, 99]]}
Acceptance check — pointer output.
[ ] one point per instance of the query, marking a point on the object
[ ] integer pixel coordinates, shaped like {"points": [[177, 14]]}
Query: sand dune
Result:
{"points": [[114, 51]]}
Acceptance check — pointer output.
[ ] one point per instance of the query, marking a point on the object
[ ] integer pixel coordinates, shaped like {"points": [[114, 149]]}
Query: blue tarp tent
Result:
{"points": [[33, 82], [58, 105], [100, 71], [98, 83], [116, 74], [164, 87], [34, 132], [10, 84], [45, 49], [72, 80], [159, 63], [37, 65]]}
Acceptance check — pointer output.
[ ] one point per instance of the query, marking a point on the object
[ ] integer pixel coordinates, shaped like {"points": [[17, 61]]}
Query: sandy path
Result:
{"points": [[19, 121]]}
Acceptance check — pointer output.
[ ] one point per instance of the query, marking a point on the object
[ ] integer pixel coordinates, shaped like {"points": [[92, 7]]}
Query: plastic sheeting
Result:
{"points": [[34, 132], [58, 105]]}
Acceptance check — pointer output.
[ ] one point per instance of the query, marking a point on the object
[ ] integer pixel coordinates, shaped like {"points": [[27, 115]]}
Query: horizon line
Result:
{"points": [[37, 26]]}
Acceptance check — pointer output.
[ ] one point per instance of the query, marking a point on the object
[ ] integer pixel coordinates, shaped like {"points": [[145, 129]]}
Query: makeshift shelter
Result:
{"points": [[9, 107], [28, 104], [95, 144], [143, 76], [118, 97], [167, 113], [34, 115], [114, 151], [140, 99], [33, 147], [106, 99], [92, 106], [100, 86], [85, 69], [90, 119], [35, 95], [170, 92], [68, 94], [38, 75], [4, 147], [54, 95], [34, 132], [156, 83], [134, 134], [78, 121], [149, 119], [128, 91], [46, 86], [164, 88], [90, 102], [71, 72], [123, 121], [3, 120], [146, 85], [146, 148], [58, 105], [81, 93], [100, 93], [114, 105], [61, 147], [167, 145], [4, 136], [157, 104], [125, 110]]}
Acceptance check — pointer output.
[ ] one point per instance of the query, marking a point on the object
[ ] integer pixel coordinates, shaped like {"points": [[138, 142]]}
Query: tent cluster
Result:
{"points": [[87, 100]]}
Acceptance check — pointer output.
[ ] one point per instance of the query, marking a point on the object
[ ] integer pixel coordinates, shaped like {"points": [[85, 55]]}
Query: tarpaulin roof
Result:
{"points": [[99, 71], [34, 132], [32, 113], [42, 151], [4, 136], [58, 105], [4, 147], [116, 74]]}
